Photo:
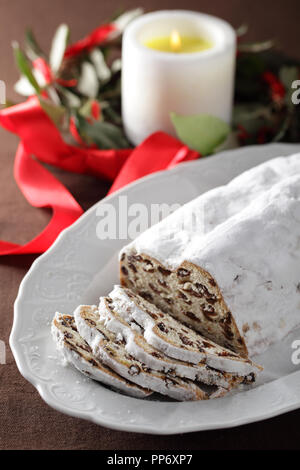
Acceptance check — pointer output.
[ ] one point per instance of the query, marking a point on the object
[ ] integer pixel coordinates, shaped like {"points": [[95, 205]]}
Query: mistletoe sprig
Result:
{"points": [[79, 88], [264, 110], [78, 85]]}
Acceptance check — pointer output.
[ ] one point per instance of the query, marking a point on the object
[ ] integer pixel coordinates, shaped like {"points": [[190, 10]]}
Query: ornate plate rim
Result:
{"points": [[111, 423]]}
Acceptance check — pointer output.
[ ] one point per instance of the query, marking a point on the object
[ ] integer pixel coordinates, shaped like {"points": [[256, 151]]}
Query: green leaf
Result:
{"points": [[283, 128], [103, 134], [252, 116], [86, 109], [116, 66], [58, 47], [32, 48], [249, 85], [88, 83], [124, 19], [288, 75], [241, 30], [200, 132], [23, 87], [53, 95], [24, 66], [112, 115], [70, 99], [100, 65], [255, 47], [56, 113]]}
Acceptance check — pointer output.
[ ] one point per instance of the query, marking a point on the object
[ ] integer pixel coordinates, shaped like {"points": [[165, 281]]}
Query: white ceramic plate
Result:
{"points": [[79, 268]]}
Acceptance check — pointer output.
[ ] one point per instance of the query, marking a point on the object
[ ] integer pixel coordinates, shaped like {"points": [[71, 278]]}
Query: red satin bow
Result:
{"points": [[40, 137]]}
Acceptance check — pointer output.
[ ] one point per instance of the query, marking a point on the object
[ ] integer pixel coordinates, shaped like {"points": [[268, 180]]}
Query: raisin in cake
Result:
{"points": [[238, 284], [132, 333], [176, 340], [78, 353], [110, 348]]}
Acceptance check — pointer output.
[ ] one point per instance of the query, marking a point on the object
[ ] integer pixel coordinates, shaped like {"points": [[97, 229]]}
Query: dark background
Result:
{"points": [[26, 422]]}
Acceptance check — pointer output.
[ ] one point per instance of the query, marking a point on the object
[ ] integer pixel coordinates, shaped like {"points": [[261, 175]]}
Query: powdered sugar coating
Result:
{"points": [[255, 258], [250, 248], [167, 240]]}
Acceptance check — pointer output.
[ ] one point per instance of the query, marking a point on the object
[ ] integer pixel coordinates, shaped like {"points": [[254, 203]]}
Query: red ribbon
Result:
{"points": [[158, 152], [41, 189], [96, 37], [40, 137]]}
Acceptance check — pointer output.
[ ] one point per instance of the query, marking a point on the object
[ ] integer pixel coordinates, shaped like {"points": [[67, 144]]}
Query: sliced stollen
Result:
{"points": [[110, 349], [176, 340], [77, 352], [238, 284], [137, 346]]}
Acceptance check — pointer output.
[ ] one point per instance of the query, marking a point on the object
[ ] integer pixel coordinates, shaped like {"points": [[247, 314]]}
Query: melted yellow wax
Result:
{"points": [[178, 44]]}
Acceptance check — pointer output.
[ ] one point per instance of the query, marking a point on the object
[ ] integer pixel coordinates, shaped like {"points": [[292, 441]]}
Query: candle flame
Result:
{"points": [[175, 40]]}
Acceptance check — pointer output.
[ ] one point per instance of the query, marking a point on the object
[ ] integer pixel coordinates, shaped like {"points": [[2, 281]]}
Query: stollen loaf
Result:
{"points": [[233, 274]]}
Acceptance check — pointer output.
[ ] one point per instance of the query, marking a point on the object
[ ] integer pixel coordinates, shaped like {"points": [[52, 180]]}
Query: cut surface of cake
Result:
{"points": [[110, 348], [236, 281], [132, 333], [77, 352], [176, 340]]}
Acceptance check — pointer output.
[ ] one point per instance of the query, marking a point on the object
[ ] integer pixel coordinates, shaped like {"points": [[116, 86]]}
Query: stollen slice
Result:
{"points": [[110, 348], [78, 353], [137, 346], [175, 339]]}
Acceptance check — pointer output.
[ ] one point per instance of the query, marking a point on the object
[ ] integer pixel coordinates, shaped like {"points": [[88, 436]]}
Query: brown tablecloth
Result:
{"points": [[26, 422]]}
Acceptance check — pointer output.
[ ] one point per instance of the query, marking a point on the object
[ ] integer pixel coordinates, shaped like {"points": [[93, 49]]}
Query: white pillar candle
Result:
{"points": [[155, 83]]}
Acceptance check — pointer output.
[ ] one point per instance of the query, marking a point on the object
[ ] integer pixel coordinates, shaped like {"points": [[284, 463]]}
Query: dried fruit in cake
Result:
{"points": [[77, 352], [175, 339], [110, 349]]}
